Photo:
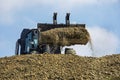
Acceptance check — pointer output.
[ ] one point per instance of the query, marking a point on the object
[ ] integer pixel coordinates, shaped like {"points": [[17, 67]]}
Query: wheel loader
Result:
{"points": [[39, 40]]}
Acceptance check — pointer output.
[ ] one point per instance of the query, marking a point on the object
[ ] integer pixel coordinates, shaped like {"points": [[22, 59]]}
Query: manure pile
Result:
{"points": [[65, 36], [59, 67]]}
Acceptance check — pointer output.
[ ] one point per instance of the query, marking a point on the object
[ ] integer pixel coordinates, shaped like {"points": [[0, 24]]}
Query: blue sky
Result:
{"points": [[102, 19]]}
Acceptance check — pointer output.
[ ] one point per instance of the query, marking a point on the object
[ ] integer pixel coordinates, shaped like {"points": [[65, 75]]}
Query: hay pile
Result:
{"points": [[65, 36], [59, 67]]}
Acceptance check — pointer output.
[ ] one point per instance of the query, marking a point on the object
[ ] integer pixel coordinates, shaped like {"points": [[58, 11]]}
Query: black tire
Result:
{"points": [[70, 51]]}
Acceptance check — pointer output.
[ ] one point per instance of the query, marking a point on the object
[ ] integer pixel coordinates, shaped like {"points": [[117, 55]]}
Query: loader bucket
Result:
{"points": [[62, 34]]}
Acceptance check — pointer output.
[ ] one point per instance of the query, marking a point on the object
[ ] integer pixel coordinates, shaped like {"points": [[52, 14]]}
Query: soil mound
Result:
{"points": [[59, 67]]}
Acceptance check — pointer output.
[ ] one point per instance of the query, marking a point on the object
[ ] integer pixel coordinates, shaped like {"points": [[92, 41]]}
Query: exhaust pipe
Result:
{"points": [[67, 18], [55, 18]]}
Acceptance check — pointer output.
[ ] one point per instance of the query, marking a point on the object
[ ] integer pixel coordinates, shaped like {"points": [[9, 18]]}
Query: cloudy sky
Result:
{"points": [[102, 19]]}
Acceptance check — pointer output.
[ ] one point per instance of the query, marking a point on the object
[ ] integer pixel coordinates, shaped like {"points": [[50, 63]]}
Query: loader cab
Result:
{"points": [[31, 41], [28, 41]]}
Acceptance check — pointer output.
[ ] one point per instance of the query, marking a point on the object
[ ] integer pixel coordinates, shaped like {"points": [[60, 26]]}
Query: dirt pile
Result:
{"points": [[59, 67], [65, 36]]}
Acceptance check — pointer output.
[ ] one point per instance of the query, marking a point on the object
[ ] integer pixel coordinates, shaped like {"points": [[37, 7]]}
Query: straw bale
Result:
{"points": [[65, 36]]}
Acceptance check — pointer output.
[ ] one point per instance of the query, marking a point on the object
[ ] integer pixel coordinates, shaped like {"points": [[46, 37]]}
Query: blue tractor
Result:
{"points": [[29, 41]]}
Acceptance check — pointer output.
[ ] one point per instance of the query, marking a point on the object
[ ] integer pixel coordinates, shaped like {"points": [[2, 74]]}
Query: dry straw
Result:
{"points": [[65, 36]]}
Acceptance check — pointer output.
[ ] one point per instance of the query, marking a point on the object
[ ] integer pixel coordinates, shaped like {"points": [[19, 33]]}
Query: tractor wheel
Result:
{"points": [[34, 52], [70, 51]]}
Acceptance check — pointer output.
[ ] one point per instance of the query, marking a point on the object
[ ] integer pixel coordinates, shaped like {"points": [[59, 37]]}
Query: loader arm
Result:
{"points": [[17, 47]]}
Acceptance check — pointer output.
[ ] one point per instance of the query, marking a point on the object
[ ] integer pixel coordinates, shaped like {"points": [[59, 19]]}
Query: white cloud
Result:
{"points": [[81, 50], [71, 2], [103, 43], [9, 7]]}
